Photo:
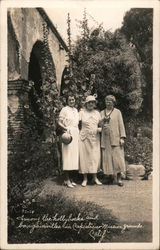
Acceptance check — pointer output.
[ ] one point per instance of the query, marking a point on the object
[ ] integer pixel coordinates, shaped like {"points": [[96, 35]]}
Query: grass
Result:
{"points": [[83, 228], [80, 213]]}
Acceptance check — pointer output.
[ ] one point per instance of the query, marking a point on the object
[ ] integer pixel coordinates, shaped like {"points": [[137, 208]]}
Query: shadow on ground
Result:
{"points": [[124, 213]]}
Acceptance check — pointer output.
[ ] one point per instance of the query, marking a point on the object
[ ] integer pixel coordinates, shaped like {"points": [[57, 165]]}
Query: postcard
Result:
{"points": [[80, 124]]}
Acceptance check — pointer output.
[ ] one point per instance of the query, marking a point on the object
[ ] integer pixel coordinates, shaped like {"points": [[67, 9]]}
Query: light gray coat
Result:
{"points": [[116, 128]]}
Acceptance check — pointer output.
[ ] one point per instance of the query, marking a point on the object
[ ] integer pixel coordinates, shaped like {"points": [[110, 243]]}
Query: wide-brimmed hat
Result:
{"points": [[90, 98]]}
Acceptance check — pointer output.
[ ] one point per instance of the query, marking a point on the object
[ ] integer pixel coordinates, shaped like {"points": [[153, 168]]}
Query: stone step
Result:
{"points": [[135, 171]]}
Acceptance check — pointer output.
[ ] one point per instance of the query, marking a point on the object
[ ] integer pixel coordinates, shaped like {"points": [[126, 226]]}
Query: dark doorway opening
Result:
{"points": [[65, 76], [36, 77]]}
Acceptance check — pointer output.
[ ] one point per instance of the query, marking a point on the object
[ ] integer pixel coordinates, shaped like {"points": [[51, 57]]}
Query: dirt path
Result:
{"points": [[130, 203]]}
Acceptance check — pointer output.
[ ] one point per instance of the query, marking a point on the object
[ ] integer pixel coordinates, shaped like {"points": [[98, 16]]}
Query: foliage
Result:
{"points": [[70, 86], [58, 204], [138, 148], [31, 159], [85, 32], [138, 29], [104, 63], [50, 103], [35, 155], [69, 33]]}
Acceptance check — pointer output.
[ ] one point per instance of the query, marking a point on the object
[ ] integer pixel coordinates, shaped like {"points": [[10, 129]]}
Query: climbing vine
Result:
{"points": [[50, 103], [73, 85]]}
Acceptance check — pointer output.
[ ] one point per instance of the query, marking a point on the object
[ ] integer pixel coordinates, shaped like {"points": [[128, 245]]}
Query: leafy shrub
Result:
{"points": [[104, 63], [147, 132], [138, 148], [138, 29], [31, 158]]}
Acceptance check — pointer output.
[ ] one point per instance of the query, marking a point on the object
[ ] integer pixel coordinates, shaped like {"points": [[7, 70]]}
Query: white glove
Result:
{"points": [[99, 130], [122, 142]]}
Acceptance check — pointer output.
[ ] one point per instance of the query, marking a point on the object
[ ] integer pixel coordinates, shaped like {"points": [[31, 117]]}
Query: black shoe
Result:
{"points": [[145, 178], [110, 180]]}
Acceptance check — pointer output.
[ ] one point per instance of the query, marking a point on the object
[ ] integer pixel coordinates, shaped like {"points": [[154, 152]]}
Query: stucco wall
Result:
{"points": [[27, 24], [59, 57], [13, 55]]}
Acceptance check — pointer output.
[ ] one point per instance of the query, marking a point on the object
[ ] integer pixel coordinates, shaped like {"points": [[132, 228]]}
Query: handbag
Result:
{"points": [[64, 135], [66, 138]]}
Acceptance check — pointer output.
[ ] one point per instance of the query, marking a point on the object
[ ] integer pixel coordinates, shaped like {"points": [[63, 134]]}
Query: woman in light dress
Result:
{"points": [[89, 141], [112, 140], [69, 119]]}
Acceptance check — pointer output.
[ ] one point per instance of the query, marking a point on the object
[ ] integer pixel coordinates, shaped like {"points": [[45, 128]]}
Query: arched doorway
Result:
{"points": [[37, 70], [65, 77]]}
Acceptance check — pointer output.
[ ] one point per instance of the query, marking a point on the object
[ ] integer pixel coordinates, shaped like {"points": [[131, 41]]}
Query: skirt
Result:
{"points": [[89, 155], [113, 160], [70, 152]]}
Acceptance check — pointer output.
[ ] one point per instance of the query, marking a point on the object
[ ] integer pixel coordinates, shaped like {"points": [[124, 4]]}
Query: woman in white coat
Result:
{"points": [[69, 119], [89, 141]]}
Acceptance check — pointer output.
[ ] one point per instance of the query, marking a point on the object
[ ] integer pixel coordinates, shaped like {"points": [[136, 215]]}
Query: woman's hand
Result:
{"points": [[62, 126], [121, 142], [101, 122], [68, 130], [99, 130]]}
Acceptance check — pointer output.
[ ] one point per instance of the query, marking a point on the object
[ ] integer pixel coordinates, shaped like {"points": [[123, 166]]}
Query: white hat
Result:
{"points": [[90, 98]]}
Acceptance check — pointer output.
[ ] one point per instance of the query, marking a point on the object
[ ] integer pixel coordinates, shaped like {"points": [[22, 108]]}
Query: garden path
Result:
{"points": [[130, 203]]}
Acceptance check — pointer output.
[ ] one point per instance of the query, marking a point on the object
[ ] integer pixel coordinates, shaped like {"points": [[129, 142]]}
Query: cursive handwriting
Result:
{"points": [[89, 224], [106, 229]]}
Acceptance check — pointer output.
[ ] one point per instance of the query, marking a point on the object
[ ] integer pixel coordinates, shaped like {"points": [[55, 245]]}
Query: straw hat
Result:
{"points": [[90, 98]]}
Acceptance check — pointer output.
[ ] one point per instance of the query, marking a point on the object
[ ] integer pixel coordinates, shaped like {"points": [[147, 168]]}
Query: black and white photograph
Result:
{"points": [[80, 124]]}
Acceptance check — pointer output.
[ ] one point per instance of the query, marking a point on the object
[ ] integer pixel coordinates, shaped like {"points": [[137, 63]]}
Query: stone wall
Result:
{"points": [[27, 25], [25, 28]]}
